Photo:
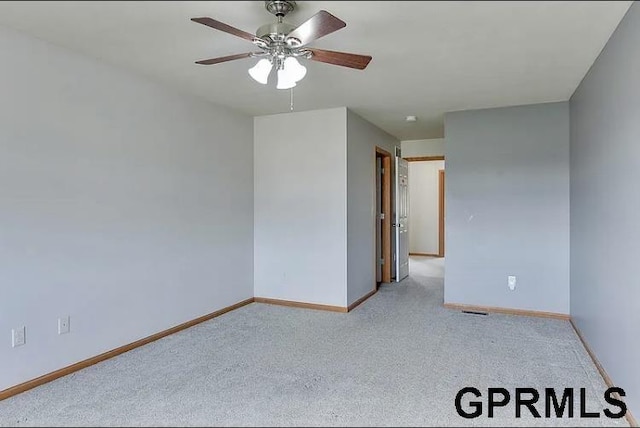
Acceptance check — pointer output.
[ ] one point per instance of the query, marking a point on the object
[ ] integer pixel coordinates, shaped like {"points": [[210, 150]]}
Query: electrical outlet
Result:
{"points": [[63, 325], [512, 282], [18, 337]]}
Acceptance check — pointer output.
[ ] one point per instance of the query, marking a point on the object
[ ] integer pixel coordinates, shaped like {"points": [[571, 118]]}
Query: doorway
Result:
{"points": [[383, 259], [427, 206]]}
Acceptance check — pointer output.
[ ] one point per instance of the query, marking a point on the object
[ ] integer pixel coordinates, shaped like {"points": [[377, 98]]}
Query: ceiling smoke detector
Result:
{"points": [[411, 119]]}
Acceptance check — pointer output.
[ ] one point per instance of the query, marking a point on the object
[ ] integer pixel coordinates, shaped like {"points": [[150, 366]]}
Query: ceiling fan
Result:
{"points": [[281, 43]]}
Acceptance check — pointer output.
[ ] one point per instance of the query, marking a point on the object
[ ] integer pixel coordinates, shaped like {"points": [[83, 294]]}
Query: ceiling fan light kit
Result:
{"points": [[260, 72], [281, 44]]}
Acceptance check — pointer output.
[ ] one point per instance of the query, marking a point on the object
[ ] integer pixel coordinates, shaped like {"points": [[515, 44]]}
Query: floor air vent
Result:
{"points": [[474, 313]]}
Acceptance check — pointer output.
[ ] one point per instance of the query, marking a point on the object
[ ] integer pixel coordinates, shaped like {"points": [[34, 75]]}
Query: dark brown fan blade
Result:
{"points": [[224, 27], [223, 59], [320, 24], [340, 58]]}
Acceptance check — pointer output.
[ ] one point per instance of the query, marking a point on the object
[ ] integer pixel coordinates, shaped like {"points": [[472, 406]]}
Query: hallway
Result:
{"points": [[426, 267]]}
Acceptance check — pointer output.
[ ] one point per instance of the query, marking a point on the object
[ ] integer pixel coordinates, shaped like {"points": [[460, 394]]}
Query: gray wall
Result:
{"points": [[123, 205], [301, 206], [362, 139], [507, 207], [605, 201], [414, 148]]}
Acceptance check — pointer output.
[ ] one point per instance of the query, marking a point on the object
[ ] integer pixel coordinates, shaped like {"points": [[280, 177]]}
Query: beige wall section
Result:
{"points": [[432, 147], [424, 207]]}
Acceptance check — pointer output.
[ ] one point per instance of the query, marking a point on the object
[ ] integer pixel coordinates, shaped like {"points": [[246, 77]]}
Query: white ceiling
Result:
{"points": [[428, 57]]}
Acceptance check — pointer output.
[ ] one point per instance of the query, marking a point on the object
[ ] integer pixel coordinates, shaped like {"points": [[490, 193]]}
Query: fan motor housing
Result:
{"points": [[274, 30]]}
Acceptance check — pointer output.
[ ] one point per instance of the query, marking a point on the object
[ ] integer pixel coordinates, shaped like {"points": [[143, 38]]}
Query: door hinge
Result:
{"points": [[382, 171], [381, 216], [381, 261]]}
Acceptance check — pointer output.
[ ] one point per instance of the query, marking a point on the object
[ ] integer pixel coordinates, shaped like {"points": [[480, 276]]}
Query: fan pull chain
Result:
{"points": [[291, 99]]}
